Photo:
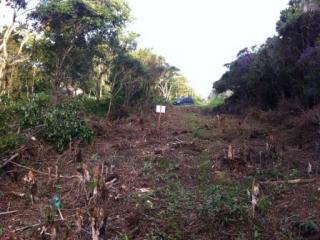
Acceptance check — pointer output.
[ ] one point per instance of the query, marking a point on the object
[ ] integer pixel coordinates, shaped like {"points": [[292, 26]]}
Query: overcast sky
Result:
{"points": [[200, 36]]}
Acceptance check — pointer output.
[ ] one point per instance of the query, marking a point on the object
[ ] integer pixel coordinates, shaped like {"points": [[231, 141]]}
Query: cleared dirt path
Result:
{"points": [[190, 181]]}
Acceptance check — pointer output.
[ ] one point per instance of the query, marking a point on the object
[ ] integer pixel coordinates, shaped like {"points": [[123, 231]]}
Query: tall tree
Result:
{"points": [[74, 30]]}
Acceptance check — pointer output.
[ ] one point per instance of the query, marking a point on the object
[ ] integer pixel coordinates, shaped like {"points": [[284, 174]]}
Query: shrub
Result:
{"points": [[33, 111], [91, 106], [62, 125], [216, 102], [9, 123], [9, 142]]}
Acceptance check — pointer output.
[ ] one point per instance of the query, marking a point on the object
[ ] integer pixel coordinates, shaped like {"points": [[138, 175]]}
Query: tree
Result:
{"points": [[74, 31], [13, 39], [285, 67]]}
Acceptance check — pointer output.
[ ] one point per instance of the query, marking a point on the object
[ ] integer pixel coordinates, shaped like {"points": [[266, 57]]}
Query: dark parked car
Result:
{"points": [[184, 101]]}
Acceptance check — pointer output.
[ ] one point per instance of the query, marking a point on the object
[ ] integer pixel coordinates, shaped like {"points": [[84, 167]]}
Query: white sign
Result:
{"points": [[161, 109]]}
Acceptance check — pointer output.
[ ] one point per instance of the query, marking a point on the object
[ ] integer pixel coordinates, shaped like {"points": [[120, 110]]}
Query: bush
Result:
{"points": [[62, 125], [91, 106], [33, 111], [10, 141], [9, 123], [216, 102]]}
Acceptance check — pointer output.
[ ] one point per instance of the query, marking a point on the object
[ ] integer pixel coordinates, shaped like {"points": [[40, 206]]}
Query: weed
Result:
{"points": [[178, 198], [224, 204], [166, 177], [264, 203], [203, 170], [215, 102], [147, 166], [10, 141], [160, 235], [96, 157], [306, 228], [123, 237], [197, 132]]}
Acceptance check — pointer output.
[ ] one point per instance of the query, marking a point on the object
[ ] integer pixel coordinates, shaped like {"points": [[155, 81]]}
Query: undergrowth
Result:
{"points": [[224, 204], [58, 125]]}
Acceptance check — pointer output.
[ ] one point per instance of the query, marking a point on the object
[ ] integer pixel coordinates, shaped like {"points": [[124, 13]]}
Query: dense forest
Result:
{"points": [[285, 67], [85, 155]]}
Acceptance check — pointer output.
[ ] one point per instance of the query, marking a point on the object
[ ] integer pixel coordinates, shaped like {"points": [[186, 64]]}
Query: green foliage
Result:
{"points": [[197, 132], [224, 204], [62, 125], [9, 123], [264, 203], [33, 110], [91, 106], [306, 227], [178, 198], [215, 102], [10, 141], [285, 67]]}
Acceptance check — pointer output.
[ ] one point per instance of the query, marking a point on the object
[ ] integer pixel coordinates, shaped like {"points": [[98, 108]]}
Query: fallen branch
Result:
{"points": [[43, 173], [294, 181], [27, 227], [7, 213], [18, 194], [9, 160]]}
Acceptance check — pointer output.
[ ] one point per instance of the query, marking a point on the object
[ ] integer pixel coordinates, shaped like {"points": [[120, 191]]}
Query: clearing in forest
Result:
{"points": [[202, 177]]}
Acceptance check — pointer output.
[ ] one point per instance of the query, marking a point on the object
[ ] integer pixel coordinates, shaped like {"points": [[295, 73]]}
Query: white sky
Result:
{"points": [[200, 36]]}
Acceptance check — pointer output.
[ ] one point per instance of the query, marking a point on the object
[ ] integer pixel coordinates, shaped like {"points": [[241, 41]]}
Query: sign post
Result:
{"points": [[160, 109]]}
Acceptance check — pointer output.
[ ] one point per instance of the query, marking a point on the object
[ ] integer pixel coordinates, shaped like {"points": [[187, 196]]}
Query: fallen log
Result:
{"points": [[294, 181]]}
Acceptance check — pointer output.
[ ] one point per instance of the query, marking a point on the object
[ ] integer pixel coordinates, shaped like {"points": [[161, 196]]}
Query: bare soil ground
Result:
{"points": [[193, 180]]}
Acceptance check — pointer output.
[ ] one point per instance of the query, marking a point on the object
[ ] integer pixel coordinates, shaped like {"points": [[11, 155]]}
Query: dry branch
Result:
{"points": [[9, 160], [39, 172], [294, 181], [7, 213]]}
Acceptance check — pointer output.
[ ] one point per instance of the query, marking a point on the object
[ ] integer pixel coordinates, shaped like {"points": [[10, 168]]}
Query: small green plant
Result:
{"points": [[123, 237], [197, 132], [161, 235], [178, 198], [204, 170], [306, 228], [264, 203], [147, 166], [224, 204], [9, 142]]}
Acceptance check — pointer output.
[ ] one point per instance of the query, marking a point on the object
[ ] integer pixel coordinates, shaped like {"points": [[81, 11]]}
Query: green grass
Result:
{"points": [[225, 204]]}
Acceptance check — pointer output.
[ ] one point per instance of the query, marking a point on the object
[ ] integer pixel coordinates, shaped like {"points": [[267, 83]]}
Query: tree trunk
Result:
{"points": [[109, 109]]}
